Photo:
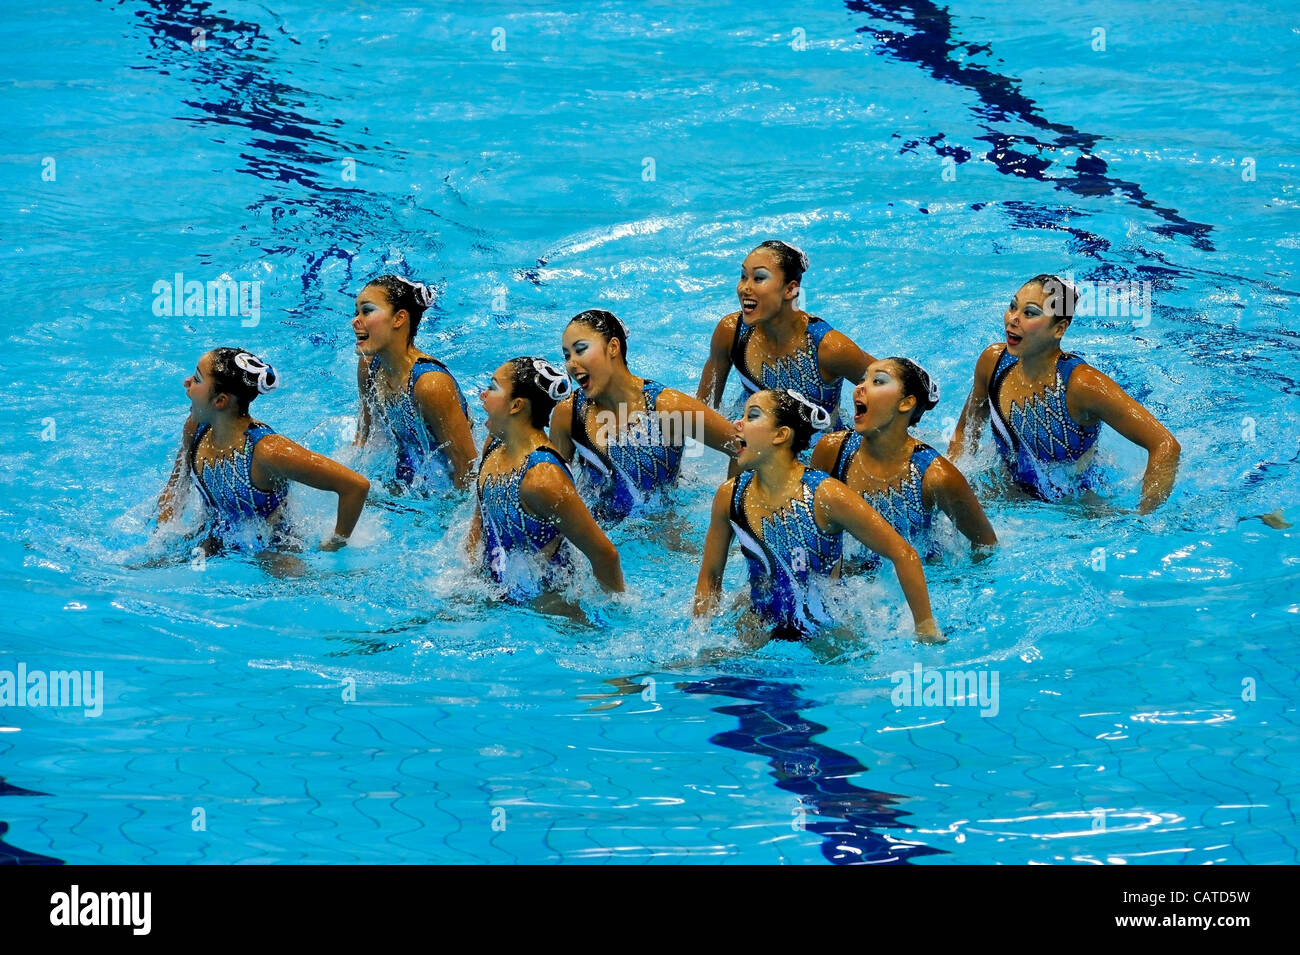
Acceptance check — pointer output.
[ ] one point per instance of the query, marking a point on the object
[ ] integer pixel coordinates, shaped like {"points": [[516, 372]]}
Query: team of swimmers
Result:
{"points": [[573, 450]]}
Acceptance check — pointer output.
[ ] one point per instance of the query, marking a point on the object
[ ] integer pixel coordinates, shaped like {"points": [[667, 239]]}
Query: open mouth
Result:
{"points": [[748, 306], [1014, 339], [583, 380], [859, 409]]}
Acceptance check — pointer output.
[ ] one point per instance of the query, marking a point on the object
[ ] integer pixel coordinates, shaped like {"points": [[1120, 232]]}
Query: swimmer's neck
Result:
{"points": [[775, 475], [623, 388], [519, 438], [396, 361], [228, 429], [889, 443], [1041, 366], [784, 325]]}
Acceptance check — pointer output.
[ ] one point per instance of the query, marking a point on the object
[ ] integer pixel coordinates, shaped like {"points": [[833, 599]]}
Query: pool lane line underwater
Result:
{"points": [[846, 816], [12, 855], [238, 91], [930, 45], [295, 148]]}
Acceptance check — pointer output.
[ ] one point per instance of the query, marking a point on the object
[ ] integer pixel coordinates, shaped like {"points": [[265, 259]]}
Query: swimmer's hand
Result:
{"points": [[335, 542], [927, 631]]}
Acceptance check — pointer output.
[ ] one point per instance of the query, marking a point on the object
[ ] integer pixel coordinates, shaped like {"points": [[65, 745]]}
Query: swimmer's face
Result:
{"points": [[762, 289], [879, 399], [201, 389], [1028, 322], [756, 431], [375, 323], [588, 358], [496, 399]]}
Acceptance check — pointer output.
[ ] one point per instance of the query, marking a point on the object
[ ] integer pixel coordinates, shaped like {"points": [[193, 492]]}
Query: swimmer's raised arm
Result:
{"points": [[167, 499], [546, 489], [363, 414], [713, 379], [708, 587], [278, 458], [954, 497], [842, 510], [975, 413], [439, 402], [1095, 397]]}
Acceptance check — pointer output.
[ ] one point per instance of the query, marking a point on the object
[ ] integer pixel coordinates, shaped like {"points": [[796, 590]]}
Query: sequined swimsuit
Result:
{"points": [[226, 485], [1041, 445], [903, 506], [414, 445], [511, 532], [799, 370], [790, 564], [633, 465]]}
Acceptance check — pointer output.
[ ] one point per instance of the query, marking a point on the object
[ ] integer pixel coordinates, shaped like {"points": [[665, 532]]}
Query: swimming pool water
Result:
{"points": [[378, 708]]}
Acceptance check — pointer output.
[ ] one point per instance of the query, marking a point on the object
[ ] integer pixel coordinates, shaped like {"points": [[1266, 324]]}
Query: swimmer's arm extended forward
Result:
{"points": [[547, 490], [1094, 397], [276, 457], [167, 499], [839, 356], [975, 413], [708, 587], [714, 431], [841, 509]]}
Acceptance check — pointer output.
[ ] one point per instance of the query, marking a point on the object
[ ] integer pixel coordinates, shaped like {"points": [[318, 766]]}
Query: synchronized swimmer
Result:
{"points": [[242, 469], [800, 476], [528, 508], [413, 394], [1048, 406], [790, 521], [771, 343], [628, 433], [904, 479]]}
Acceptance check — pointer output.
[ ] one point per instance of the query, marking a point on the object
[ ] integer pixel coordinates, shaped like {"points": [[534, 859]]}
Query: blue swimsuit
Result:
{"points": [[631, 466], [1042, 444], [509, 529], [414, 445], [902, 506], [800, 370], [790, 563], [226, 485]]}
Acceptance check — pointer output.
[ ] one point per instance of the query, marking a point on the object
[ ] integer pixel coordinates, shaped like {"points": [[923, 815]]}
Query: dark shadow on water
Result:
{"points": [[12, 855], [847, 817]]}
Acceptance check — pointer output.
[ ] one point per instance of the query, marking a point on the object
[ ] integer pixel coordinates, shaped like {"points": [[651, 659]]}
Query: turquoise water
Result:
{"points": [[378, 708]]}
